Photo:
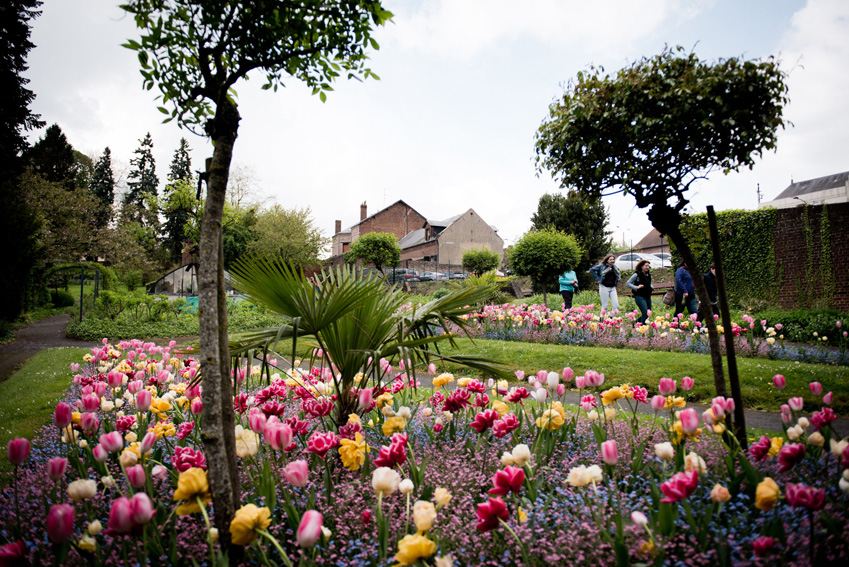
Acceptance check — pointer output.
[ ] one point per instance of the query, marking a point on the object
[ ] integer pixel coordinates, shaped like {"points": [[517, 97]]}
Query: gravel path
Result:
{"points": [[50, 333]]}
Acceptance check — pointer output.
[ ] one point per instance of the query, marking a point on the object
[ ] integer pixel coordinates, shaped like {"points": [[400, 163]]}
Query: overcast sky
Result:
{"points": [[464, 86]]}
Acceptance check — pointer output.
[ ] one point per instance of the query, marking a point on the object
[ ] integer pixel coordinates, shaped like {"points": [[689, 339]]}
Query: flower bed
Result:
{"points": [[464, 474], [581, 326]]}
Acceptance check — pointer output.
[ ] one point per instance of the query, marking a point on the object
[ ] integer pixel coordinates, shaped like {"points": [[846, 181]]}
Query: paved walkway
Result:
{"points": [[50, 333]]}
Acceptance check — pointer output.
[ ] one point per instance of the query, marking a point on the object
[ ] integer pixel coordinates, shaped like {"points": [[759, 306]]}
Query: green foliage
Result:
{"points": [[544, 255], [142, 183], [480, 261], [176, 211], [799, 325], [439, 293], [747, 245], [61, 298], [288, 234], [102, 186], [378, 248], [583, 217], [52, 158], [133, 279], [488, 280], [661, 123]]}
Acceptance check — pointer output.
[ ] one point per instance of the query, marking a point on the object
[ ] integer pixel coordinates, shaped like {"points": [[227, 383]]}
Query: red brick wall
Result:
{"points": [[791, 253], [399, 219]]}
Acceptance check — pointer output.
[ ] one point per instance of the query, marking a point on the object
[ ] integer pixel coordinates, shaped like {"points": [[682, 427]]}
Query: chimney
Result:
{"points": [[338, 227], [363, 211]]}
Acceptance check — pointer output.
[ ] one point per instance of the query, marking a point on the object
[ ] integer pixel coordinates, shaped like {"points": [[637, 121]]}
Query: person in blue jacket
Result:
{"points": [[568, 282], [607, 275], [685, 291]]}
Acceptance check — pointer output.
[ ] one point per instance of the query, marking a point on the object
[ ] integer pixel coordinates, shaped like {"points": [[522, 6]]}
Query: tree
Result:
{"points": [[102, 186], [18, 221], [655, 128], [195, 52], [143, 184], [480, 261], [288, 234], [52, 158], [378, 248], [176, 217], [544, 255], [582, 216]]}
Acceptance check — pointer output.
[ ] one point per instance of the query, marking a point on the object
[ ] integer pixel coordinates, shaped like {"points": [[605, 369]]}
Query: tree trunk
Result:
{"points": [[218, 414], [666, 221]]}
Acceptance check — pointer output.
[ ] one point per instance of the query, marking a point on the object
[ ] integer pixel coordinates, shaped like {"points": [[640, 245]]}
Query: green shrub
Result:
{"points": [[799, 325], [6, 334], [133, 279], [61, 298], [441, 292], [587, 297]]}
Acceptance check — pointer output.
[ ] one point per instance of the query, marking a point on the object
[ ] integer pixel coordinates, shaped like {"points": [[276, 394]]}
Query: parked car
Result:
{"points": [[458, 275], [398, 275], [629, 260], [433, 276], [666, 257]]}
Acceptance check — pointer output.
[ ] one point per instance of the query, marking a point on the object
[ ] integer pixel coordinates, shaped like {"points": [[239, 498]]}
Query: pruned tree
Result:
{"points": [[658, 126], [195, 53], [581, 215], [480, 260], [378, 248], [543, 255]]}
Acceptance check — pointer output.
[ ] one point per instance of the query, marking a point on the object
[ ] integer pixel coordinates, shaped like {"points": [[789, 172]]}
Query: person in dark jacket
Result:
{"points": [[607, 275], [640, 283], [710, 283], [685, 291]]}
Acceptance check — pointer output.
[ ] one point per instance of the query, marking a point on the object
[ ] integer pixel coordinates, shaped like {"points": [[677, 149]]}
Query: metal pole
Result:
{"points": [[82, 280], [722, 297], [96, 282]]}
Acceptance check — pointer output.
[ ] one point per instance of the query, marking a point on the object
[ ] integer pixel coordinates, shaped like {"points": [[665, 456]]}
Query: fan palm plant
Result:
{"points": [[355, 320]]}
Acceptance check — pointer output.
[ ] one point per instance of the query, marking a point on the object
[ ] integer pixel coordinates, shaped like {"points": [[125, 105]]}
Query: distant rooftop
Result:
{"points": [[814, 185]]}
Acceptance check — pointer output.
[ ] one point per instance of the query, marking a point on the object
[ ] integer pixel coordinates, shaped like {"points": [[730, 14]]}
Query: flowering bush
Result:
{"points": [[465, 473]]}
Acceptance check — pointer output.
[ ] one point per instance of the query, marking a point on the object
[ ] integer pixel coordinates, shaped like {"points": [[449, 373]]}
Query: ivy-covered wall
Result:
{"points": [[748, 249], [796, 257]]}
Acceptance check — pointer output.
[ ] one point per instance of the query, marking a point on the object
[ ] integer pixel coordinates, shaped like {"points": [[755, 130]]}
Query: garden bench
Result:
{"points": [[659, 289]]}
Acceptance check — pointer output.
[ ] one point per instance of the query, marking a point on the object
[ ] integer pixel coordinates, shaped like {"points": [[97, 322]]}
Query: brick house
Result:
{"points": [[399, 219], [652, 243]]}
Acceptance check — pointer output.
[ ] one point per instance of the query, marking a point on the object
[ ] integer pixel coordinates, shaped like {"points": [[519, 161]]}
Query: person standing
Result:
{"points": [[607, 275], [685, 291], [568, 282], [640, 282], [709, 278]]}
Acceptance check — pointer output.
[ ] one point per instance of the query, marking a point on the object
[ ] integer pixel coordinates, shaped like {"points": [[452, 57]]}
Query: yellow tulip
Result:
{"points": [[247, 521], [412, 548]]}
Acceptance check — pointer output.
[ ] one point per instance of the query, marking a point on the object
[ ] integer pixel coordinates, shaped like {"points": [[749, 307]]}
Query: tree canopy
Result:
{"points": [[288, 234], [583, 216], [52, 158], [543, 255], [102, 186], [378, 248], [480, 260]]}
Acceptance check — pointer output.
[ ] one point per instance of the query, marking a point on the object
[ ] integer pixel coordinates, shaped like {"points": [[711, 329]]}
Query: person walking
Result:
{"points": [[640, 283], [685, 291], [568, 282], [607, 275], [709, 278]]}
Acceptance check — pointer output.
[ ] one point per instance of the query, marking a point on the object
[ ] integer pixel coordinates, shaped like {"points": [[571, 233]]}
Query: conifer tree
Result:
{"points": [[52, 158], [176, 217], [103, 186], [142, 182]]}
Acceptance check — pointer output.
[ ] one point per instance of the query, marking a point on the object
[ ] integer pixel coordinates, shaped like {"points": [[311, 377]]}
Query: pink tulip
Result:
{"points": [[365, 399], [56, 468], [787, 418], [121, 516], [816, 388], [593, 378], [321, 443], [708, 417], [148, 441], [580, 382], [431, 368], [785, 409], [141, 509], [658, 403], [609, 454], [508, 480], [542, 375], [257, 420], [309, 530], [143, 399], [99, 453], [135, 387], [197, 406], [60, 523], [689, 420], [489, 513], [279, 436], [91, 402], [297, 473], [801, 495], [790, 455], [15, 553], [666, 386], [567, 374], [63, 416], [18, 450], [89, 422], [796, 404], [100, 389], [680, 486], [76, 367], [520, 375], [160, 472], [136, 476], [779, 381], [687, 383], [561, 389], [115, 379], [827, 399], [112, 442]]}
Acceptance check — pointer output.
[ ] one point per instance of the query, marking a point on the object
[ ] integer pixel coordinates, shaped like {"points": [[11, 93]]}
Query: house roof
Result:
{"points": [[651, 240], [401, 201], [814, 185], [443, 223], [414, 238]]}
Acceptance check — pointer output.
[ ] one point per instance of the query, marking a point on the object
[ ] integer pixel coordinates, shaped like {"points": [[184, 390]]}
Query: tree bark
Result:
{"points": [[666, 220], [218, 414]]}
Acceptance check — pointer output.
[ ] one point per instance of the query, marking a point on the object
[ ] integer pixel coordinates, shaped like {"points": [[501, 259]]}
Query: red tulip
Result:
{"points": [[484, 420], [13, 554], [60, 523], [18, 450], [489, 513], [63, 416], [508, 480], [121, 516], [763, 545], [790, 455], [56, 468], [680, 486], [805, 496]]}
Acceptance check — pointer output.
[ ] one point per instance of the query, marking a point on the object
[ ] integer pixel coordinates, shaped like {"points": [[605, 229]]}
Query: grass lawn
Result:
{"points": [[645, 368], [29, 397]]}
